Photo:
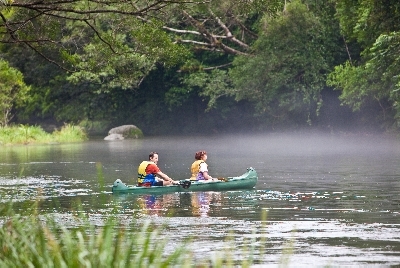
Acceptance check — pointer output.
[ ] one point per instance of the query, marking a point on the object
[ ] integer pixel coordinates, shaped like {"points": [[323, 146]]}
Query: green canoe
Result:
{"points": [[246, 181]]}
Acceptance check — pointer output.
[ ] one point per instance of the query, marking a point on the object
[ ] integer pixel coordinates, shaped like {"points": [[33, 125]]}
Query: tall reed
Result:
{"points": [[23, 134], [34, 241]]}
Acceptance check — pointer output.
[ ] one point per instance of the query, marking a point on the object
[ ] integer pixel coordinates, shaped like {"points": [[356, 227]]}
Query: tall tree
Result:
{"points": [[286, 71], [374, 78], [13, 91], [116, 44]]}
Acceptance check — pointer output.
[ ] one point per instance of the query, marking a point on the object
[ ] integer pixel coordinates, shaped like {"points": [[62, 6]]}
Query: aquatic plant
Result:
{"points": [[69, 133], [34, 241], [22, 134]]}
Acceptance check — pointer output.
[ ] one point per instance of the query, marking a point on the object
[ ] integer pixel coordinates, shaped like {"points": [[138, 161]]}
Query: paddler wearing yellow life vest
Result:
{"points": [[150, 175], [199, 168]]}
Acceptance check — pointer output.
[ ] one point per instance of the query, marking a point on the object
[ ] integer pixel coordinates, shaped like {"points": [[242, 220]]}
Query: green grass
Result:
{"points": [[23, 134], [31, 241], [69, 133]]}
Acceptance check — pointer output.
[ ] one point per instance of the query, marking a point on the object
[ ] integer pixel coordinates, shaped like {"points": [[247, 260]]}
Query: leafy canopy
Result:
{"points": [[13, 91], [288, 66]]}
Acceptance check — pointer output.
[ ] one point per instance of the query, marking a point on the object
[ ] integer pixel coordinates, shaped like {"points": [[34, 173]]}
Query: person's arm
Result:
{"points": [[204, 170], [165, 177], [206, 176]]}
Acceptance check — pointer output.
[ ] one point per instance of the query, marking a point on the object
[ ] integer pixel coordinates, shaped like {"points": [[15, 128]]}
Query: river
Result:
{"points": [[321, 200]]}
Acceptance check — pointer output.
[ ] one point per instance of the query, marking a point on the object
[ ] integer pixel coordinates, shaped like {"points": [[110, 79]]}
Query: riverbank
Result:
{"points": [[23, 134]]}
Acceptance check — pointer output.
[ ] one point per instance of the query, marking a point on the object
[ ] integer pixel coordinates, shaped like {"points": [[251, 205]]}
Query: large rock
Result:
{"points": [[124, 132], [113, 137]]}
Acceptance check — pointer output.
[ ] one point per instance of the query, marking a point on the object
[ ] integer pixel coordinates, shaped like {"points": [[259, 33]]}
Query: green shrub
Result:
{"points": [[135, 133], [95, 127]]}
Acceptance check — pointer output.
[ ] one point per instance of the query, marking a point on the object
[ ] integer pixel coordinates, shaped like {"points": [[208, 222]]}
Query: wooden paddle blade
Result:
{"points": [[222, 179]]}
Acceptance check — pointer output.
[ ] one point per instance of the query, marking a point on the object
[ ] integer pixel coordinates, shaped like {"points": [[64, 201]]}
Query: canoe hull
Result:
{"points": [[246, 181]]}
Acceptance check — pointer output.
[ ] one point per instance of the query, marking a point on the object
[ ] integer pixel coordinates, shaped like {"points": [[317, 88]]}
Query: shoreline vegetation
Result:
{"points": [[39, 241], [34, 240], [29, 135], [23, 134]]}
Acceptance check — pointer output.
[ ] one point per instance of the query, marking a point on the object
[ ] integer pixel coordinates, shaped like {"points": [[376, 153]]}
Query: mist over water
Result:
{"points": [[330, 200]]}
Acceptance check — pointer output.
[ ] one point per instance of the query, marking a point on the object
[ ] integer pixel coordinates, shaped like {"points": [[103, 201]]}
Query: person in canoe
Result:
{"points": [[150, 175], [199, 168]]}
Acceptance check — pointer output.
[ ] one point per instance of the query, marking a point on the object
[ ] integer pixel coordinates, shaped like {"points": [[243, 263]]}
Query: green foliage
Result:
{"points": [[287, 70], [28, 241], [69, 133], [99, 67], [134, 133], [212, 85], [23, 134], [13, 91], [176, 96], [112, 56], [374, 79], [133, 55], [352, 80], [94, 127], [366, 20]]}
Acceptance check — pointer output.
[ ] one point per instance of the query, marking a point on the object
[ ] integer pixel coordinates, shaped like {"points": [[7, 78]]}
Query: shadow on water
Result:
{"points": [[330, 200]]}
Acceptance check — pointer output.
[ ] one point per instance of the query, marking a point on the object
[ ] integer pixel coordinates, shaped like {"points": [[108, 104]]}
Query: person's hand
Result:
{"points": [[173, 182]]}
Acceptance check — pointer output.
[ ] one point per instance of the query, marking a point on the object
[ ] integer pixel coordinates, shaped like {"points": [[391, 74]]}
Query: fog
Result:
{"points": [[332, 195]]}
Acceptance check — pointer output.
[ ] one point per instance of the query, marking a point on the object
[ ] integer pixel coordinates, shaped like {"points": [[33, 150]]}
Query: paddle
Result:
{"points": [[223, 179], [185, 184]]}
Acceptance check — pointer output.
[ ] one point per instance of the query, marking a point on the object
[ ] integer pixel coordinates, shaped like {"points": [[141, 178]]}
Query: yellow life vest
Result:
{"points": [[142, 170], [195, 169]]}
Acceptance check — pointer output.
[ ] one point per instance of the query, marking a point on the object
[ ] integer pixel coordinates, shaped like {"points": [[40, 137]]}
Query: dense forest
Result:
{"points": [[191, 66]]}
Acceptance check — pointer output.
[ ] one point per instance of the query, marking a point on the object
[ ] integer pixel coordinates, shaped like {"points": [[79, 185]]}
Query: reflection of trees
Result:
{"points": [[37, 153], [44, 162]]}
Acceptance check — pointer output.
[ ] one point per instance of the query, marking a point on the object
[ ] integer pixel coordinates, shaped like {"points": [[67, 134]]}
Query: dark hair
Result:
{"points": [[151, 155], [199, 155]]}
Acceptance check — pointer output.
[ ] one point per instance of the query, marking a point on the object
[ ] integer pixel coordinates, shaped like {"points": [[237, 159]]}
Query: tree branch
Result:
{"points": [[213, 40], [228, 33]]}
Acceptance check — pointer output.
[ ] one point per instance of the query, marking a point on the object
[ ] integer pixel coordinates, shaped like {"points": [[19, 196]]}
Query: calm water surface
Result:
{"points": [[329, 201]]}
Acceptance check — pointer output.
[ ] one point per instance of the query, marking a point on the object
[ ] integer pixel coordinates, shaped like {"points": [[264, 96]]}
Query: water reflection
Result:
{"points": [[158, 205], [198, 204], [336, 199], [201, 202]]}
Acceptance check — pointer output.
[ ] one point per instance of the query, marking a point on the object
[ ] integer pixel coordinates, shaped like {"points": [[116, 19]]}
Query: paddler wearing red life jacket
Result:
{"points": [[150, 175]]}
